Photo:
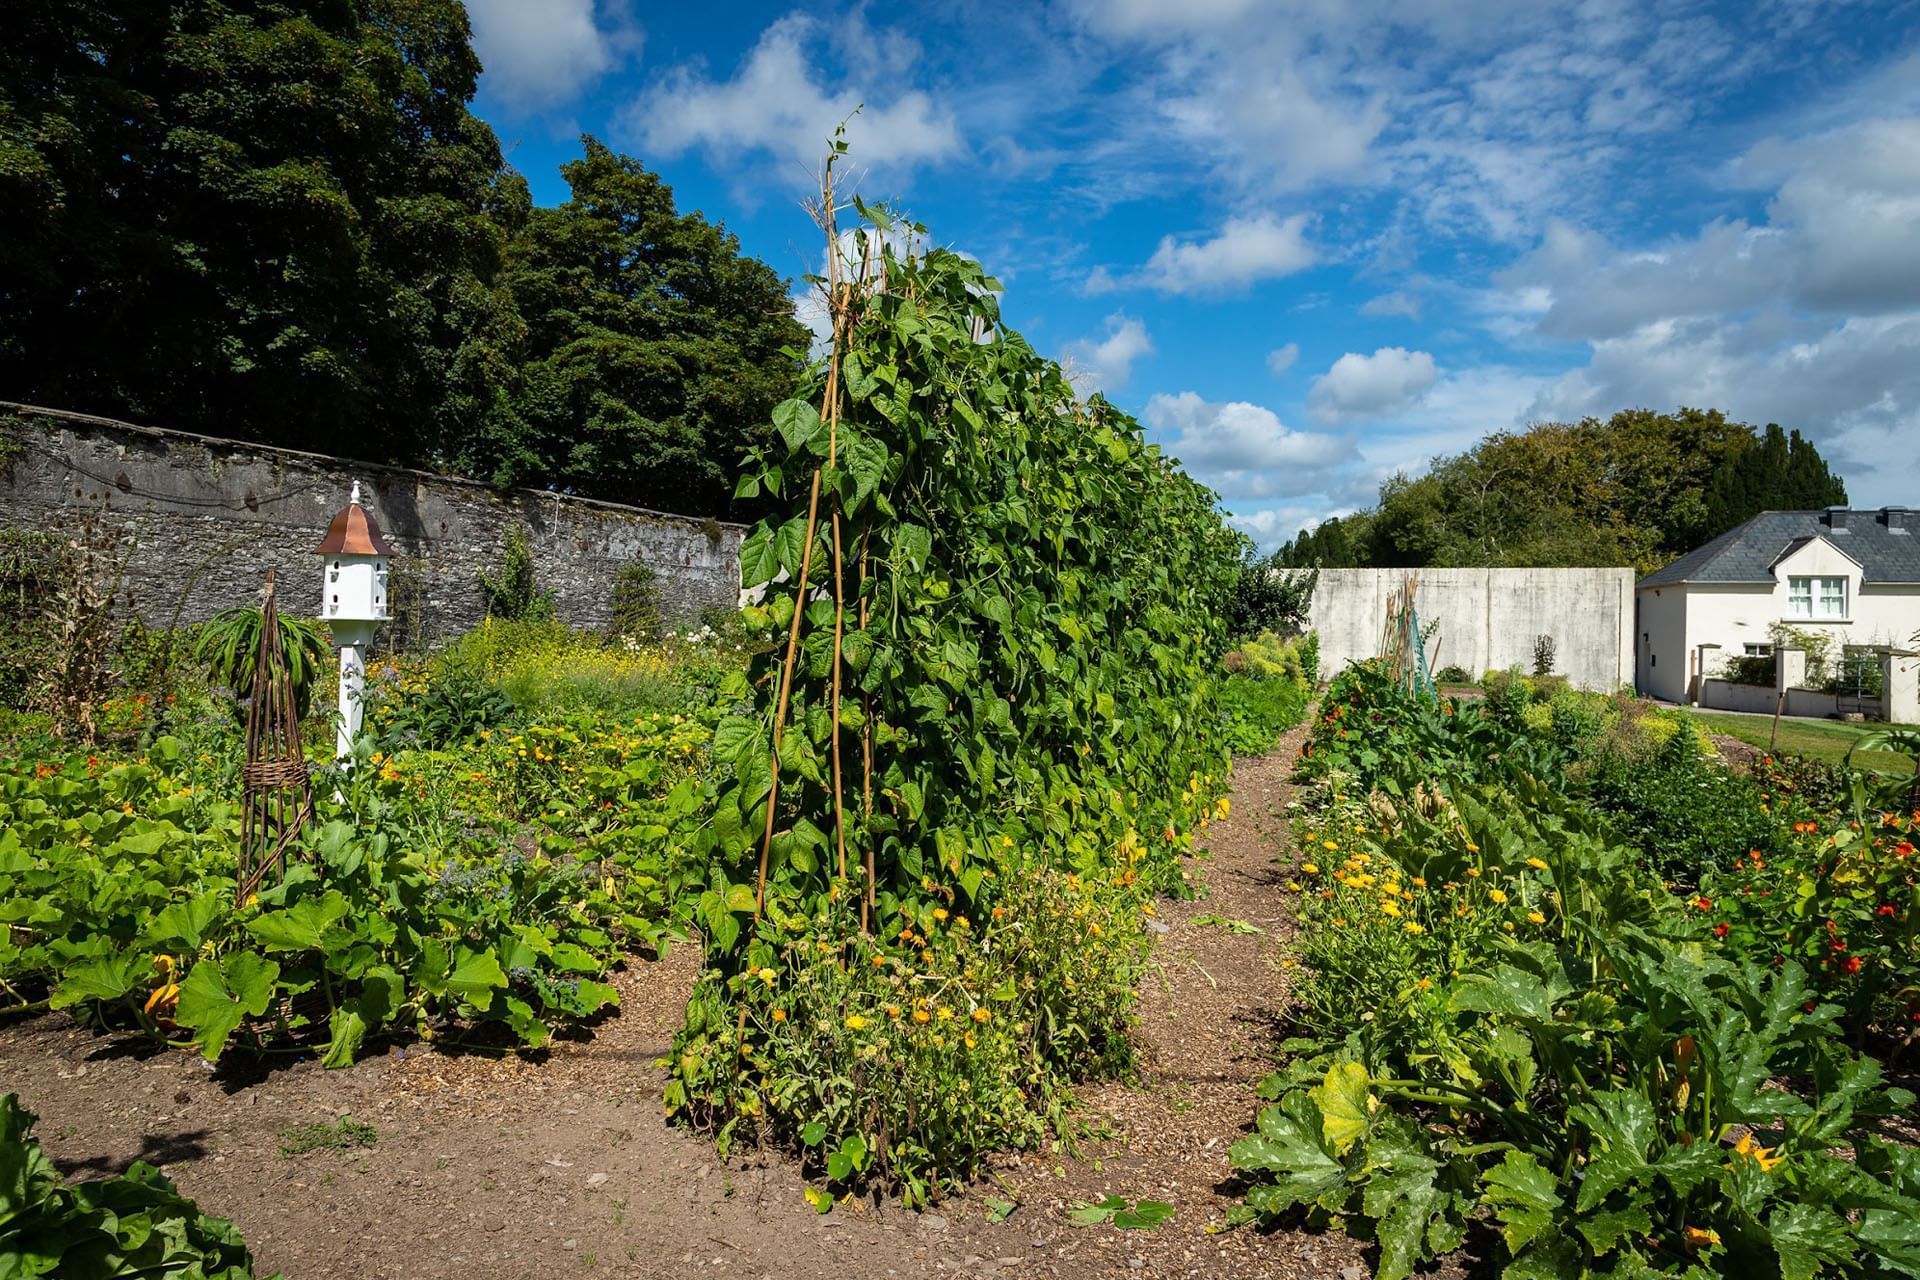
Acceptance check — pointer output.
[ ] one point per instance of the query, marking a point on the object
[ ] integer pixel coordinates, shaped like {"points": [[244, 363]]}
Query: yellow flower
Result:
{"points": [[767, 975], [1762, 1156], [779, 1015], [1391, 887], [1497, 895], [969, 1039], [1474, 872], [1538, 864], [982, 1014], [945, 1014], [1419, 882], [1329, 844], [922, 1016], [1535, 917], [855, 1022], [893, 1010], [1310, 868], [1425, 984], [1697, 1239], [879, 961], [1472, 847], [940, 913], [1390, 908], [1415, 927]]}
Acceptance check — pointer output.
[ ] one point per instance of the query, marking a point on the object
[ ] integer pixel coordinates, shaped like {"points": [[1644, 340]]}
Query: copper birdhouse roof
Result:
{"points": [[354, 532]]}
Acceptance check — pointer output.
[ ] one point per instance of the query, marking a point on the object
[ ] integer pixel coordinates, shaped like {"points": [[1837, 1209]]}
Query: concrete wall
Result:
{"points": [[202, 519], [1488, 618]]}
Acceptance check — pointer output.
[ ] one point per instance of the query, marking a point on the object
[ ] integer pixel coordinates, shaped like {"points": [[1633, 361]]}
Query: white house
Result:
{"points": [[1853, 576]]}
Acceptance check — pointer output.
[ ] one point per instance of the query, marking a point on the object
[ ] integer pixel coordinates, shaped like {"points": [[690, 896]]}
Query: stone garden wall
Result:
{"points": [[200, 520]]}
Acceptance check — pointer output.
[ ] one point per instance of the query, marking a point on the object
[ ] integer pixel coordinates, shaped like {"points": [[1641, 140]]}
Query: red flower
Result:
{"points": [[1885, 909], [1720, 930], [1851, 964], [1703, 902], [1904, 849]]}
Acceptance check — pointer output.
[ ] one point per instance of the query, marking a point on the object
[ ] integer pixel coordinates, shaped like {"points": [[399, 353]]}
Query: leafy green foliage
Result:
{"points": [[229, 645], [274, 221], [1554, 1043], [1258, 709], [1639, 488], [1267, 597], [512, 594], [497, 887], [1686, 811], [1128, 1215], [654, 351], [1005, 613], [134, 1224]]}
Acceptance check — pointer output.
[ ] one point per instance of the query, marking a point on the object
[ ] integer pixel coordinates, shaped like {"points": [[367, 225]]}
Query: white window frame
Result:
{"points": [[1809, 597], [1757, 650]]}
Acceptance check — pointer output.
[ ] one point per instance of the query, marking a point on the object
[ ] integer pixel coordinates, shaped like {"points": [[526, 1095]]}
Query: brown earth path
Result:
{"points": [[498, 1169]]}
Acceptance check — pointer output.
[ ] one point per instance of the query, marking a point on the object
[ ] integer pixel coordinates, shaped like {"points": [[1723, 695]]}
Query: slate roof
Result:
{"points": [[1885, 551]]}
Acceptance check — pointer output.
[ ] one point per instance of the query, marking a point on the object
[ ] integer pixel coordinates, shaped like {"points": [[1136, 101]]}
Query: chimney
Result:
{"points": [[1836, 519], [1897, 519]]}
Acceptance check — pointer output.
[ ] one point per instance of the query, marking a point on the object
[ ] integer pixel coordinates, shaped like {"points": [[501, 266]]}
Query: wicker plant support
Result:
{"points": [[276, 795]]}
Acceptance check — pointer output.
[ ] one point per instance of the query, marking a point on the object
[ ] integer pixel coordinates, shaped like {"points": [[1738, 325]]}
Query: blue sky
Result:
{"points": [[1310, 244]]}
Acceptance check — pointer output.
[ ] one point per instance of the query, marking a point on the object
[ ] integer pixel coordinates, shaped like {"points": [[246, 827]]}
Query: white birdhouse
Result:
{"points": [[356, 566], [355, 603]]}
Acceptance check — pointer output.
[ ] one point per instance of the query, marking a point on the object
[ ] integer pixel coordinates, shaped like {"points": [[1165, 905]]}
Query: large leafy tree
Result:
{"points": [[1636, 489], [654, 353], [276, 221]]}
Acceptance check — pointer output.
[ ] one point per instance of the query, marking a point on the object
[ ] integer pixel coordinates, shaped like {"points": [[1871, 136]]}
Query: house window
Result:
{"points": [[1817, 597], [1758, 650]]}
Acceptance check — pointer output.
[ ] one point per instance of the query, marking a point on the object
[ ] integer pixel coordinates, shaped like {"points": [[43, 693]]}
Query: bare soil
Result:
{"points": [[490, 1168]]}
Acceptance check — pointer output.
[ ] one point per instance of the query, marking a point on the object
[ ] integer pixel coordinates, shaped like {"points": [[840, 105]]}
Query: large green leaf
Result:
{"points": [[219, 995], [1525, 1197]]}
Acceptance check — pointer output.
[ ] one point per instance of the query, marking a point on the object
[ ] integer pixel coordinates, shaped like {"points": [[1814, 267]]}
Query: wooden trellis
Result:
{"points": [[276, 796], [1401, 646]]}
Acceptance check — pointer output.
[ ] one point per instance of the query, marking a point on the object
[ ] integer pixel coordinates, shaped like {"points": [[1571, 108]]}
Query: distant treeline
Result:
{"points": [[1639, 488], [281, 223]]}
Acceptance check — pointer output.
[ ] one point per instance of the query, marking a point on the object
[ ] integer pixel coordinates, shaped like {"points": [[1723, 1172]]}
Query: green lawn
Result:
{"points": [[1820, 739]]}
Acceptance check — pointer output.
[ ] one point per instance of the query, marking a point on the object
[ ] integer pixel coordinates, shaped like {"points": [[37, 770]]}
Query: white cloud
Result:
{"points": [[1374, 386], [1240, 449], [543, 55], [1247, 251], [1810, 319], [776, 103], [1392, 304], [1281, 359], [1102, 364]]}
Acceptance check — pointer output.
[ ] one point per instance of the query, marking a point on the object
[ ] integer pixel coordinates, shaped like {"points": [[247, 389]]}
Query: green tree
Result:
{"points": [[655, 352], [1638, 489], [276, 221]]}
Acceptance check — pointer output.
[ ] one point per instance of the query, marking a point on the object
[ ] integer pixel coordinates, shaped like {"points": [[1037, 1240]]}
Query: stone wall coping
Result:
{"points": [[329, 462]]}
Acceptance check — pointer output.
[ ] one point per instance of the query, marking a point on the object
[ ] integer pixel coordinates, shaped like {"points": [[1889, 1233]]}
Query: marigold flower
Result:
{"points": [[1390, 908], [1497, 895], [982, 1014], [922, 1016], [779, 1015]]}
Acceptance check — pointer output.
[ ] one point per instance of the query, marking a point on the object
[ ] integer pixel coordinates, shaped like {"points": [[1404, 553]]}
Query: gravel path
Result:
{"points": [[496, 1169]]}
